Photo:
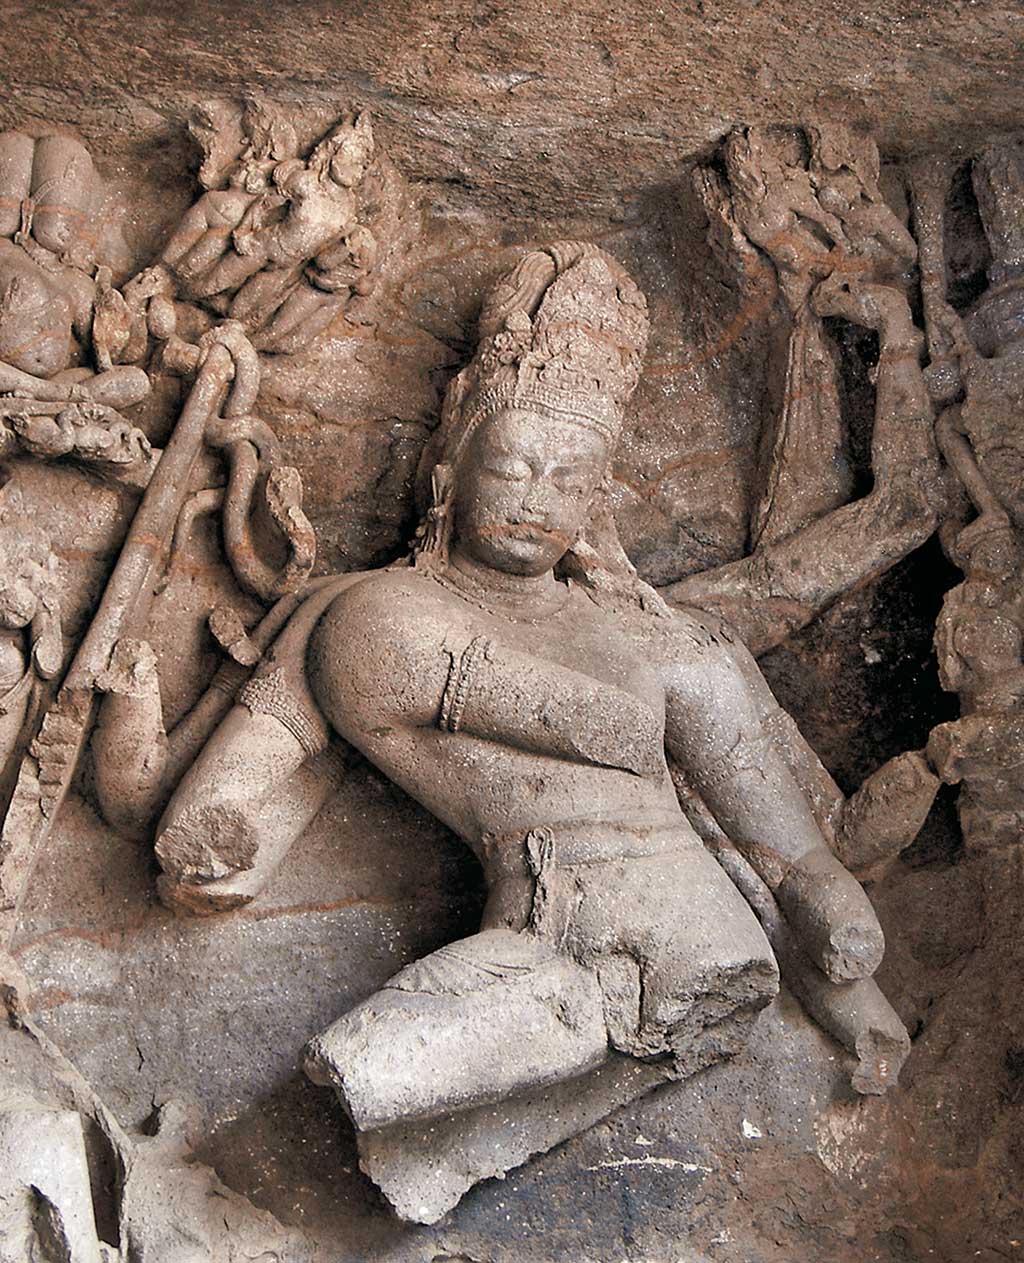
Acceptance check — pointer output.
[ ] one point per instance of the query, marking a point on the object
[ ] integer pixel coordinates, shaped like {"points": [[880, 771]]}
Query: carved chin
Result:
{"points": [[527, 552]]}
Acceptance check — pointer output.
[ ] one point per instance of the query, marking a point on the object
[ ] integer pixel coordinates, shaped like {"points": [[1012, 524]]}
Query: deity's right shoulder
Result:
{"points": [[389, 600], [379, 654]]}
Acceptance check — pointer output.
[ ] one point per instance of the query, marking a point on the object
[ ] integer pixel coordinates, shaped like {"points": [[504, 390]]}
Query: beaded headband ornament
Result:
{"points": [[596, 412]]}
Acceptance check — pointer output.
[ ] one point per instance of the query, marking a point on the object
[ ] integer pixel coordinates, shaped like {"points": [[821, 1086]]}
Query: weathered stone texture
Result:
{"points": [[516, 125]]}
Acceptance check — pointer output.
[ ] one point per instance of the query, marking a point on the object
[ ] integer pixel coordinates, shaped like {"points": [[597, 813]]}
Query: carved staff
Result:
{"points": [[47, 770], [128, 593]]}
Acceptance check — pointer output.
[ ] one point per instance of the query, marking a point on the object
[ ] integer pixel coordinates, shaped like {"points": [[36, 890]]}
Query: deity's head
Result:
{"points": [[525, 486], [517, 474], [346, 153], [989, 549]]}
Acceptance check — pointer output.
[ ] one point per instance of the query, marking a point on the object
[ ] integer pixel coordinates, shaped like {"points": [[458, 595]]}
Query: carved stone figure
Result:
{"points": [[31, 643], [58, 313], [660, 845], [521, 681], [279, 242], [800, 214], [60, 245], [980, 632], [59, 306], [809, 201], [283, 261]]}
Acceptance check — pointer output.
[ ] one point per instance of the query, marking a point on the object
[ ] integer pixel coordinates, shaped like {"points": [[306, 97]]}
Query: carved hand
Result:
{"points": [[231, 335], [131, 671], [45, 437], [88, 431], [881, 307], [245, 242]]}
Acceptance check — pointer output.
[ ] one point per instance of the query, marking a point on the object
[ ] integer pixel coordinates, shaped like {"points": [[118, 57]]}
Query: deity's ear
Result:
{"points": [[452, 418], [598, 544], [598, 526], [432, 538]]}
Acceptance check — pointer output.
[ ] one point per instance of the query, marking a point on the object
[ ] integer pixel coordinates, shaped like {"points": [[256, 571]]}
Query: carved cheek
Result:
{"points": [[497, 502], [562, 512]]}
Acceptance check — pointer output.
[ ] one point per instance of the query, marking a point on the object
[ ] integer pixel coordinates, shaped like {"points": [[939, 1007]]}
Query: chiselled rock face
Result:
{"points": [[508, 604]]}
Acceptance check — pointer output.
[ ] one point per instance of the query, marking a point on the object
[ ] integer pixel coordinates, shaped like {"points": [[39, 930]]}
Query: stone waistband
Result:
{"points": [[529, 852]]}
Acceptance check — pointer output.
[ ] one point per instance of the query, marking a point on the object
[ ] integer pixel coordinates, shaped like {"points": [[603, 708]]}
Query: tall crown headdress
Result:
{"points": [[563, 332]]}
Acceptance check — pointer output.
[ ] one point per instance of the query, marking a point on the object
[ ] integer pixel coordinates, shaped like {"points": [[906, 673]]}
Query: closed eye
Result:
{"points": [[510, 471], [570, 482]]}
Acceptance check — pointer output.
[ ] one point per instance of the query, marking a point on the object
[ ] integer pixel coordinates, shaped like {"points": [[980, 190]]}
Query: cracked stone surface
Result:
{"points": [[516, 124]]}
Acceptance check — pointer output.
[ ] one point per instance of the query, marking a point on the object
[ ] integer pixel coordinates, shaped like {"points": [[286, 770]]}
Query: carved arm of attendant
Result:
{"points": [[115, 388], [812, 567], [27, 386], [717, 708]]}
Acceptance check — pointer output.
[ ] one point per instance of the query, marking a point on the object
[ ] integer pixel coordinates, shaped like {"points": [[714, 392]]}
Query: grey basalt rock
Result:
{"points": [[245, 799], [497, 690], [76, 1187]]}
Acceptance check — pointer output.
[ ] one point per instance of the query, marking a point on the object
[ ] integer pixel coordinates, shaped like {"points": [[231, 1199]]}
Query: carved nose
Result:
{"points": [[534, 511]]}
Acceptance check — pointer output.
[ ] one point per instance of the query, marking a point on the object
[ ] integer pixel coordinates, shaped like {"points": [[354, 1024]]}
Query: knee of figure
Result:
{"points": [[715, 976], [712, 1017], [715, 1021], [473, 1023]]}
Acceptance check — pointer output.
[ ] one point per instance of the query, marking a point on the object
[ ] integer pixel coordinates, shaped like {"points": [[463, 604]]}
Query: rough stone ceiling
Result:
{"points": [[552, 108]]}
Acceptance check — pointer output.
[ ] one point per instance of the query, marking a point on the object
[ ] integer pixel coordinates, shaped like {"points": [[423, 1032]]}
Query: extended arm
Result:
{"points": [[717, 730], [782, 586]]}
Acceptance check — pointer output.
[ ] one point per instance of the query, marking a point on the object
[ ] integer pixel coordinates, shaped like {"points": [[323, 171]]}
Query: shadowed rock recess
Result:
{"points": [[511, 632]]}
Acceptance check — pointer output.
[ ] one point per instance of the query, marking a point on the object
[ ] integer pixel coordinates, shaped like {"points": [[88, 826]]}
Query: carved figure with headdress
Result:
{"points": [[518, 678]]}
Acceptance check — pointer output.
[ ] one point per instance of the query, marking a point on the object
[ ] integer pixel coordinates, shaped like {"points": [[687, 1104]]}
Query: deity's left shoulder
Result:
{"points": [[684, 631]]}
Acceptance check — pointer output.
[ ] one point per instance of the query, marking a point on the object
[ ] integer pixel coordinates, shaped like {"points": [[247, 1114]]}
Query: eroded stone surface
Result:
{"points": [[767, 1159]]}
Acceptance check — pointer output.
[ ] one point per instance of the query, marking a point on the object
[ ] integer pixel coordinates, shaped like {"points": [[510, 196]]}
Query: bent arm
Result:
{"points": [[717, 710], [516, 699], [784, 585], [717, 705], [373, 667], [25, 386]]}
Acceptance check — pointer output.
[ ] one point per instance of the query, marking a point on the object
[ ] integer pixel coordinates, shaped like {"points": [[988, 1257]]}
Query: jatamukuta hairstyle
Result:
{"points": [[564, 334]]}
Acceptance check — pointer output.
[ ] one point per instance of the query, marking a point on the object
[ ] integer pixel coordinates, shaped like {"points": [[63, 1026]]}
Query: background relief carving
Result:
{"points": [[275, 300]]}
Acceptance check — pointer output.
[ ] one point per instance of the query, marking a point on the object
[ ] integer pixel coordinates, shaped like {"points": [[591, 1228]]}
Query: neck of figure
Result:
{"points": [[527, 595]]}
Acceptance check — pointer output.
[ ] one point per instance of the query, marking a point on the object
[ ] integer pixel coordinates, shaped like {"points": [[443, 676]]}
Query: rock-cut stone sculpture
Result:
{"points": [[518, 678]]}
